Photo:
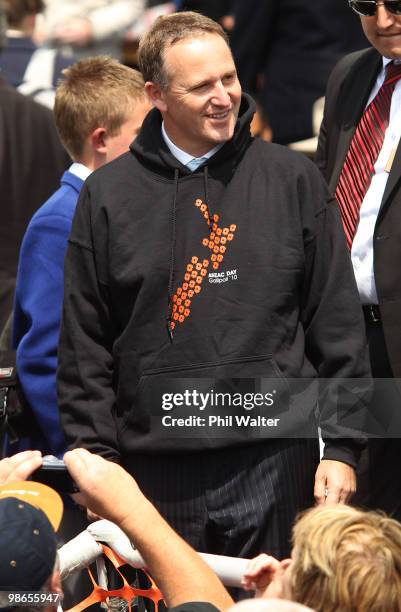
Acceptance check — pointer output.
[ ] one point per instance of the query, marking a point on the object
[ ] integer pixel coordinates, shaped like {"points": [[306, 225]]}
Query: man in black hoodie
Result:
{"points": [[205, 261]]}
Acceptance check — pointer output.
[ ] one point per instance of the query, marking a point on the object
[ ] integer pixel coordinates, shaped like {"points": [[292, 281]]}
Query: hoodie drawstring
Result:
{"points": [[205, 186], [172, 257], [169, 319]]}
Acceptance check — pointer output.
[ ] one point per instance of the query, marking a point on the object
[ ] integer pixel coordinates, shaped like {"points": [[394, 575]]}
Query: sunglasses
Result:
{"points": [[367, 8]]}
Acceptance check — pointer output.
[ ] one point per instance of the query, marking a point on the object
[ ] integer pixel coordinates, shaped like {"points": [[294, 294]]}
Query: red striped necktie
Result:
{"points": [[363, 152]]}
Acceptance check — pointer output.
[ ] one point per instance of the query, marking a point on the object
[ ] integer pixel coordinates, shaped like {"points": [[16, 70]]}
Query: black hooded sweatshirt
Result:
{"points": [[237, 271]]}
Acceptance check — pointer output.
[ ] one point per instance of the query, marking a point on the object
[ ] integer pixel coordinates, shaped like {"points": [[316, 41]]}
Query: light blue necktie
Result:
{"points": [[195, 163]]}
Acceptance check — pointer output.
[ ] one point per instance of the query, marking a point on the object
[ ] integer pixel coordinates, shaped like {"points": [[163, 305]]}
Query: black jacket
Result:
{"points": [[32, 160], [294, 44], [269, 290]]}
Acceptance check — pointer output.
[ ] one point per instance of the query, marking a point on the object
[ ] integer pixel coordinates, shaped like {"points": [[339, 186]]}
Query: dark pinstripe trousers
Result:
{"points": [[234, 501]]}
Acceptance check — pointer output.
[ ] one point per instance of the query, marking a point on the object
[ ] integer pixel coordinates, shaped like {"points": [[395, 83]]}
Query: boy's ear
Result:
{"points": [[98, 140], [156, 96]]}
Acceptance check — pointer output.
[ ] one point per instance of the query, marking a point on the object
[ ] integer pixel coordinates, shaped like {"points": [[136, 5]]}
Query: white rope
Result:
{"points": [[84, 550], [78, 553]]}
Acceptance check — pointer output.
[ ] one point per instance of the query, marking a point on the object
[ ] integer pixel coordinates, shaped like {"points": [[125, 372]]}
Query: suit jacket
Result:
{"points": [[347, 93], [294, 44], [32, 160], [37, 310]]}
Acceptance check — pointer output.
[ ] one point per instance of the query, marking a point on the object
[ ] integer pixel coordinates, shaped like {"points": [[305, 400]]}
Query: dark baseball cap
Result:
{"points": [[30, 514]]}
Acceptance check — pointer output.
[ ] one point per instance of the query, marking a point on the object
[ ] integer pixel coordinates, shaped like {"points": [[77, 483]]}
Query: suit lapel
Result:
{"points": [[352, 101]]}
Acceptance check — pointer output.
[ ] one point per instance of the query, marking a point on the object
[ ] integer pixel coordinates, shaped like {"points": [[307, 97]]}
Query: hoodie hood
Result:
{"points": [[151, 150]]}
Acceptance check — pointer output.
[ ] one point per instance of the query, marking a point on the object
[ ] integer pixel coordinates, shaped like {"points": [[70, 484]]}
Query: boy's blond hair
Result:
{"points": [[345, 559], [95, 92]]}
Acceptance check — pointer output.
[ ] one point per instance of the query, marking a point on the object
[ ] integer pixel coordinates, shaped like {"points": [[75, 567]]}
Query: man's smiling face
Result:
{"points": [[201, 101]]}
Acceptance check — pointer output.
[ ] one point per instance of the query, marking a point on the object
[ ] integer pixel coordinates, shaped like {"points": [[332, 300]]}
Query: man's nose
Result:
{"points": [[384, 18], [220, 95]]}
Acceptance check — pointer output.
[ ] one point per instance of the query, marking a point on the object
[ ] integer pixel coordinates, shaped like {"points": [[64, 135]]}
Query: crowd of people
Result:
{"points": [[184, 287], [342, 558]]}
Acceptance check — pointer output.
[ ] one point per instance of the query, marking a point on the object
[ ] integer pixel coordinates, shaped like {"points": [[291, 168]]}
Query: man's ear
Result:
{"points": [[98, 140], [156, 96]]}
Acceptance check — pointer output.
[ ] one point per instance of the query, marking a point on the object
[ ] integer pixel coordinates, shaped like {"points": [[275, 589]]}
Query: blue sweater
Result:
{"points": [[37, 311]]}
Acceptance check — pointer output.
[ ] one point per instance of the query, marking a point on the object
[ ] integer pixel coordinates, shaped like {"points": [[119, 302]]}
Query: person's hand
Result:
{"points": [[105, 488], [265, 576], [19, 467], [259, 573], [76, 32], [335, 482]]}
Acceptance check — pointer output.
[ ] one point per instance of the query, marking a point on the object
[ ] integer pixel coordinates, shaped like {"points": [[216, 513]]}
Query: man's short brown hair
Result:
{"points": [[95, 92], [346, 559], [16, 10], [167, 30]]}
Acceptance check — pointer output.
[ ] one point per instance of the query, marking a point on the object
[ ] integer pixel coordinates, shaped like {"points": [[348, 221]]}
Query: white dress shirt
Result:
{"points": [[80, 171], [183, 157], [362, 246]]}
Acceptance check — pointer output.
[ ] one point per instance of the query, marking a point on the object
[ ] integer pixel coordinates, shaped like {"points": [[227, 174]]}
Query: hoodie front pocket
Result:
{"points": [[240, 387]]}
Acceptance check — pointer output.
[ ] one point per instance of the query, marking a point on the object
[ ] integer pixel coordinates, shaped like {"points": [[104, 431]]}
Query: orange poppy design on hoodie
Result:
{"points": [[217, 241]]}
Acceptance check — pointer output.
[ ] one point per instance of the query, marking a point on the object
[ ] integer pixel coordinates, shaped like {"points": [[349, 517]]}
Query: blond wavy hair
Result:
{"points": [[346, 560]]}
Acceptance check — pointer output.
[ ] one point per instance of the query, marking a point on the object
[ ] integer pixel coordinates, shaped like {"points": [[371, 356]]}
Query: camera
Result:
{"points": [[54, 474]]}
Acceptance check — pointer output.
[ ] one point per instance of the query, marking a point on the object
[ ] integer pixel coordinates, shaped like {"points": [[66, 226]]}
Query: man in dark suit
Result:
{"points": [[284, 52], [31, 162], [361, 160]]}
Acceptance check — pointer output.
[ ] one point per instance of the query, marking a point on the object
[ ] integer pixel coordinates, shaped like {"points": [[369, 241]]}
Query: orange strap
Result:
{"points": [[126, 592]]}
